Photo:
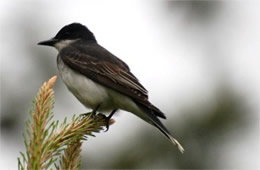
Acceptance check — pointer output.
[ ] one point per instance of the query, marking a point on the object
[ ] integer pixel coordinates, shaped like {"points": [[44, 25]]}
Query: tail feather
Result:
{"points": [[153, 119], [170, 137]]}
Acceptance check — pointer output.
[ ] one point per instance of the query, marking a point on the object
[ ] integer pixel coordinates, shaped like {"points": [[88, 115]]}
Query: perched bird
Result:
{"points": [[100, 80]]}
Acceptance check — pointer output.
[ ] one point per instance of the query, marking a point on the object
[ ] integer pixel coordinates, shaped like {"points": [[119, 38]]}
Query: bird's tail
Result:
{"points": [[166, 133], [153, 119]]}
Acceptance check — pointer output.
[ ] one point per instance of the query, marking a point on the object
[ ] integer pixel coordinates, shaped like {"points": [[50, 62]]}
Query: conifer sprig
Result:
{"points": [[46, 140]]}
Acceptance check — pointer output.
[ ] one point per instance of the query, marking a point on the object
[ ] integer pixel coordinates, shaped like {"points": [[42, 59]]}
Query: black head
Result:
{"points": [[72, 31]]}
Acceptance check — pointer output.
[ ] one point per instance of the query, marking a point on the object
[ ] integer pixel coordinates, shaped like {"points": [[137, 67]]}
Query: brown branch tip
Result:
{"points": [[52, 81]]}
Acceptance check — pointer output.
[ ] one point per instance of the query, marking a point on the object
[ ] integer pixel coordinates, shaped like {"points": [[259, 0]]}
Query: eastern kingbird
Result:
{"points": [[100, 80]]}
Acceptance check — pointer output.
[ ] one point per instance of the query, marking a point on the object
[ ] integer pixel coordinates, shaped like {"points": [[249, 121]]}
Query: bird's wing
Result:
{"points": [[114, 74]]}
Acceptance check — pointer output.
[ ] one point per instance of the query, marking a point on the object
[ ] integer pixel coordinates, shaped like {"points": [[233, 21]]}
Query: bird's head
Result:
{"points": [[69, 34]]}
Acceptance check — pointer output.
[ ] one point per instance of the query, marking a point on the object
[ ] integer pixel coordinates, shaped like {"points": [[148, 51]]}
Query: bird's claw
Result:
{"points": [[83, 115], [107, 121], [107, 124]]}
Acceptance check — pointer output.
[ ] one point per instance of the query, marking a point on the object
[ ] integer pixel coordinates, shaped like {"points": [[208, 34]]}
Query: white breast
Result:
{"points": [[87, 91]]}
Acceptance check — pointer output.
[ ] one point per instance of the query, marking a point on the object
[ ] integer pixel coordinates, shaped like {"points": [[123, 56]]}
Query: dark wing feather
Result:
{"points": [[109, 71]]}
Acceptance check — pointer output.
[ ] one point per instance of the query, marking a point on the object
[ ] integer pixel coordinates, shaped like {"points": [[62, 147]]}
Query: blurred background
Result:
{"points": [[198, 59]]}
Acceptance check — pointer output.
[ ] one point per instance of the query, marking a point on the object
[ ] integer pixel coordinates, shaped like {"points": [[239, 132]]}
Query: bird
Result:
{"points": [[100, 80]]}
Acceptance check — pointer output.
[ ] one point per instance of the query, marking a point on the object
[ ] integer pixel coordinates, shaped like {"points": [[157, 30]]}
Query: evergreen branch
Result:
{"points": [[45, 142], [41, 112], [71, 157], [70, 133]]}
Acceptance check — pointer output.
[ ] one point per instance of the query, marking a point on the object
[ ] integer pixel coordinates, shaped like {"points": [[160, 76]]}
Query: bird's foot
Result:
{"points": [[109, 119], [94, 112], [83, 115]]}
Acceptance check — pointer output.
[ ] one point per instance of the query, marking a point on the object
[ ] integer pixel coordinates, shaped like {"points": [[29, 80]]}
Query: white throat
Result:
{"points": [[63, 43]]}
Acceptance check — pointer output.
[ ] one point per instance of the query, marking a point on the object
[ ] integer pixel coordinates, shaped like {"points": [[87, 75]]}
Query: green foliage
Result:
{"points": [[46, 140]]}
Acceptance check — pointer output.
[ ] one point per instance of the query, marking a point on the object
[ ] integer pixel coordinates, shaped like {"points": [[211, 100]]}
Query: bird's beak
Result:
{"points": [[49, 42]]}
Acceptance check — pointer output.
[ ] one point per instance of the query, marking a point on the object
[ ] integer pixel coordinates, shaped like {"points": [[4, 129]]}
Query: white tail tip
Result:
{"points": [[175, 142]]}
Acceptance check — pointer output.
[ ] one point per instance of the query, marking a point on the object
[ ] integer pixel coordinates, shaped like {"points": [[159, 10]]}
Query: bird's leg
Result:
{"points": [[94, 112], [108, 118]]}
